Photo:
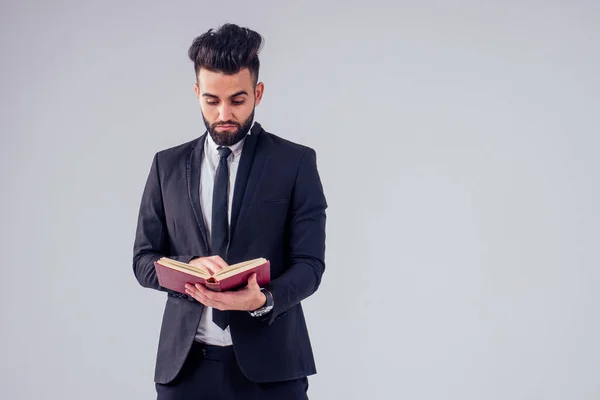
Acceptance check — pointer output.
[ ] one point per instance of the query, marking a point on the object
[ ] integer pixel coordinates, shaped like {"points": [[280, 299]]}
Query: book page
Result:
{"points": [[183, 267], [240, 267]]}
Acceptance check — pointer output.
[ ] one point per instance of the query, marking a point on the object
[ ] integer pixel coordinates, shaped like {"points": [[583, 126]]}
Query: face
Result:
{"points": [[227, 103]]}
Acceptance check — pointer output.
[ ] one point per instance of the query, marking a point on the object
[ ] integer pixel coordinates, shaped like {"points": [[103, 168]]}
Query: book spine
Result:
{"points": [[158, 271], [213, 284]]}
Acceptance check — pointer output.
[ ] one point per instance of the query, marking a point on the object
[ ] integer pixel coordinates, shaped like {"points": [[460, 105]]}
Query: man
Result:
{"points": [[234, 194]]}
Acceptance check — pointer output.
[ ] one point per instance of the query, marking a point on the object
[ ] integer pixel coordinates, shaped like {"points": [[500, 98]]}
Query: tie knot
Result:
{"points": [[224, 152]]}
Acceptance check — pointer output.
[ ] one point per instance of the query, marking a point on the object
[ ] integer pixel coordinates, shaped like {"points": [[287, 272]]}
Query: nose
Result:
{"points": [[225, 112]]}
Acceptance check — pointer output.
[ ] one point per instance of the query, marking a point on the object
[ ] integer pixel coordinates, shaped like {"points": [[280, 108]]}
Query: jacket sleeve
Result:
{"points": [[306, 246], [151, 237]]}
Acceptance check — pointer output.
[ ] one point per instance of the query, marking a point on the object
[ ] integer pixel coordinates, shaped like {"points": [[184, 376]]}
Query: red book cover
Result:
{"points": [[174, 277]]}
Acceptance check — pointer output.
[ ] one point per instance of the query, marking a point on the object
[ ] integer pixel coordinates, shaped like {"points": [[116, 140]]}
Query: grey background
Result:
{"points": [[457, 142]]}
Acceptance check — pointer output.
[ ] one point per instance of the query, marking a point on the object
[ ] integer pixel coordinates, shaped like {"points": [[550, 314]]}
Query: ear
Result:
{"points": [[197, 90], [258, 92]]}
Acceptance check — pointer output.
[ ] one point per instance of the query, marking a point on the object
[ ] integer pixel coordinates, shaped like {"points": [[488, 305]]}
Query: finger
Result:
{"points": [[191, 290], [219, 261], [202, 289], [188, 287], [194, 296], [200, 297], [210, 294], [197, 290], [211, 264], [218, 300]]}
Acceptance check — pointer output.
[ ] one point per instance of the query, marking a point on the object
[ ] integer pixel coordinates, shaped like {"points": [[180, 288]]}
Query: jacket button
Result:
{"points": [[204, 352]]}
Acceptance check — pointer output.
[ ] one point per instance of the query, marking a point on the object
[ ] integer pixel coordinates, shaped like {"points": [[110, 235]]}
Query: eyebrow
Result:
{"points": [[241, 92]]}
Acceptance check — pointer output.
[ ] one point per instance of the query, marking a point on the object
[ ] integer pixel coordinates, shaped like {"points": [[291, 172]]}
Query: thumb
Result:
{"points": [[253, 281]]}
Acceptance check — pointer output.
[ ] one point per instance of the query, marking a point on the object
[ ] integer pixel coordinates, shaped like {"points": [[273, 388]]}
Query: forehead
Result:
{"points": [[223, 85]]}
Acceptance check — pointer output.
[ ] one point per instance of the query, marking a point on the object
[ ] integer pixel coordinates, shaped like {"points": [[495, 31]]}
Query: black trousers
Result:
{"points": [[212, 372]]}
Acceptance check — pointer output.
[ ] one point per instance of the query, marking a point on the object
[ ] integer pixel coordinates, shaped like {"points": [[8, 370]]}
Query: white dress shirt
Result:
{"points": [[208, 332]]}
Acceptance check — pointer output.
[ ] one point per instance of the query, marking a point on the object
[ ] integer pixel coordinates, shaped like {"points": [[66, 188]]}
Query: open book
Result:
{"points": [[174, 275]]}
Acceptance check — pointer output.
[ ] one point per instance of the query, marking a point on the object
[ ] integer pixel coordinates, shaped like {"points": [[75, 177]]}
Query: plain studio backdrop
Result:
{"points": [[457, 143]]}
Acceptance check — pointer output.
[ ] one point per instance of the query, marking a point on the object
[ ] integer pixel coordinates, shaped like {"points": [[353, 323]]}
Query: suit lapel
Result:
{"points": [[193, 185], [248, 175]]}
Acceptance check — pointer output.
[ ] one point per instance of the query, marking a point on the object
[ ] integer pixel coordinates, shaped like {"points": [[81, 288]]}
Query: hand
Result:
{"points": [[249, 298], [213, 264]]}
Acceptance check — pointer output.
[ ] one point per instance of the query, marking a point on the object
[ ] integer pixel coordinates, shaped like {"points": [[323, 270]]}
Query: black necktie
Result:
{"points": [[220, 223]]}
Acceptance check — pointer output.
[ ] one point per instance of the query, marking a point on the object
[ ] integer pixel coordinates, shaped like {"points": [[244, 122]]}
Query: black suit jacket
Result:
{"points": [[278, 212]]}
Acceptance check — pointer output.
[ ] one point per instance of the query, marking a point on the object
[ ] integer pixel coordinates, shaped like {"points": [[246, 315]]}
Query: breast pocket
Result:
{"points": [[275, 201]]}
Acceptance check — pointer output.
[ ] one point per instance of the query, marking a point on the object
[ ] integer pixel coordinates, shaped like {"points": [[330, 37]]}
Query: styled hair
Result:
{"points": [[228, 49]]}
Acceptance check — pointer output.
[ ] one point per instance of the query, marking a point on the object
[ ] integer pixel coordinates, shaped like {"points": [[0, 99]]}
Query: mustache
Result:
{"points": [[226, 123]]}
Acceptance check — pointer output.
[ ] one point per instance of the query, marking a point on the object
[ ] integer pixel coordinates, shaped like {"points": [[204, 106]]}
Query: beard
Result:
{"points": [[229, 138]]}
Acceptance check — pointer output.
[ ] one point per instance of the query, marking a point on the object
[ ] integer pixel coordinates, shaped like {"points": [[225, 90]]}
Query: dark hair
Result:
{"points": [[227, 49]]}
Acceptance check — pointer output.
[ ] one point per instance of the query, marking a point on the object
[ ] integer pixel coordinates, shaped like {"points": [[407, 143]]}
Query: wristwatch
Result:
{"points": [[266, 308]]}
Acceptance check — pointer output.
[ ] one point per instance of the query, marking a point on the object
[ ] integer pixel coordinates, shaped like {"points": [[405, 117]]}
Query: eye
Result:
{"points": [[212, 102], [237, 102]]}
